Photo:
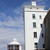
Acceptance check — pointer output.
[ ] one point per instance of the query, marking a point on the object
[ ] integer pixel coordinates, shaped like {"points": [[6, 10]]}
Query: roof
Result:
{"points": [[33, 6], [14, 42]]}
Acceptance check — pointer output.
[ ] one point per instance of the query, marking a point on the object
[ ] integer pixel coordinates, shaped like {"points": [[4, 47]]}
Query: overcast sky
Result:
{"points": [[11, 20]]}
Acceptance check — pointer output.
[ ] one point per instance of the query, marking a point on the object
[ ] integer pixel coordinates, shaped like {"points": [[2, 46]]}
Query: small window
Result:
{"points": [[40, 17], [43, 46], [35, 34], [34, 24], [37, 8], [13, 46], [36, 45], [33, 16], [42, 35], [41, 25]]}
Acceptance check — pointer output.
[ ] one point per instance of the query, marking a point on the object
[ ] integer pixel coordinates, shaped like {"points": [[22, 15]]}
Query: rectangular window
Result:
{"points": [[16, 47], [36, 45], [42, 35], [33, 15], [11, 47], [8, 47], [41, 25], [35, 34], [40, 17], [34, 24], [43, 46]]}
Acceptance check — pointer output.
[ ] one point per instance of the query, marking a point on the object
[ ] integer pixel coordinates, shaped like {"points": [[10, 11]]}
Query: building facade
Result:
{"points": [[14, 45], [34, 26], [47, 31]]}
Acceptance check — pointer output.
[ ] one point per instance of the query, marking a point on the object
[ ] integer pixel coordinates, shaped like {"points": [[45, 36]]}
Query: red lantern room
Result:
{"points": [[14, 45]]}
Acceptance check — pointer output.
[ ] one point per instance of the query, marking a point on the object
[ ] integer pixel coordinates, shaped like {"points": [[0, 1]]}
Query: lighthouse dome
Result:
{"points": [[14, 42]]}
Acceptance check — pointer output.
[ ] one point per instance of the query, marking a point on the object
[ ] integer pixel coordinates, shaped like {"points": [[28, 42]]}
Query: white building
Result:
{"points": [[34, 27], [14, 45]]}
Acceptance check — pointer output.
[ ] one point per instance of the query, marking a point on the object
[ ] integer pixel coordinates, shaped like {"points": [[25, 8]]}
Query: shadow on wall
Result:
{"points": [[41, 44]]}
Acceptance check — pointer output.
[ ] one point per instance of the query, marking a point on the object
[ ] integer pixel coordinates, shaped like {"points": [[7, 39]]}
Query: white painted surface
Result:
{"points": [[29, 37], [14, 42], [20, 47], [33, 3]]}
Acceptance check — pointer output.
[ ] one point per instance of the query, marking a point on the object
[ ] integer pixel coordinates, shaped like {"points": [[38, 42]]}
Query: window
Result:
{"points": [[17, 47], [35, 34], [33, 16], [41, 25], [36, 45], [40, 17], [43, 46], [10, 47], [42, 35], [14, 47], [34, 24], [37, 8]]}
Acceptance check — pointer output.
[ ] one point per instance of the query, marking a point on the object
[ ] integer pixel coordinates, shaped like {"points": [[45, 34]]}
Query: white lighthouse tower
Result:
{"points": [[34, 26], [14, 45]]}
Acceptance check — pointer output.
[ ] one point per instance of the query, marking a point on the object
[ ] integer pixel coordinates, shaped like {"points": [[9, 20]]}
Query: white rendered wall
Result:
{"points": [[20, 47], [29, 37]]}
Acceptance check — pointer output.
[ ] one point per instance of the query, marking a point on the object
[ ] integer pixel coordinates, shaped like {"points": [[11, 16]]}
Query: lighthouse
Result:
{"points": [[14, 45], [34, 27]]}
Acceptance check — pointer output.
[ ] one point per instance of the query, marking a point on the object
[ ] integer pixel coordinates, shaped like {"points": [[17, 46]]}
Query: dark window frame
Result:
{"points": [[40, 16], [42, 35], [33, 15], [34, 24], [43, 45], [35, 34], [41, 25], [35, 45]]}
